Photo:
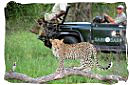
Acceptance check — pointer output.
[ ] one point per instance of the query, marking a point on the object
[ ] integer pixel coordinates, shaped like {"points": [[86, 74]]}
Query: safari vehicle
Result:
{"points": [[105, 36]]}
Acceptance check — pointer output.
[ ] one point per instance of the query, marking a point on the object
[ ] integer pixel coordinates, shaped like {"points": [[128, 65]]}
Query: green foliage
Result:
{"points": [[18, 15], [109, 8], [15, 10], [24, 14]]}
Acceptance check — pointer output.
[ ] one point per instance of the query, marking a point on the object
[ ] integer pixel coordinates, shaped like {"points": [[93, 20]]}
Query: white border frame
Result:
{"points": [[2, 32]]}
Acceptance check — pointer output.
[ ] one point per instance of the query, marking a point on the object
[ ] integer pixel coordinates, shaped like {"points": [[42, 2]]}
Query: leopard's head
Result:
{"points": [[56, 43]]}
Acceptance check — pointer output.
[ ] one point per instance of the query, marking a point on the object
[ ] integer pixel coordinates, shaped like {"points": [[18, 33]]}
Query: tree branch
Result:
{"points": [[54, 76]]}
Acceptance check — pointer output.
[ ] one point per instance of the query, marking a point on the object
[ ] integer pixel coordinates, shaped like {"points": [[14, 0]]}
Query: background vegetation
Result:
{"points": [[33, 58], [19, 15]]}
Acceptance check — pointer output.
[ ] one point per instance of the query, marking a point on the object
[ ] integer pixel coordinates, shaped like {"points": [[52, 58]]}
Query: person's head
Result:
{"points": [[120, 9]]}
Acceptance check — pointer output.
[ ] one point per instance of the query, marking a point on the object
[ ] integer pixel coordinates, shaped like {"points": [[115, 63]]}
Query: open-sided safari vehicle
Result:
{"points": [[105, 36]]}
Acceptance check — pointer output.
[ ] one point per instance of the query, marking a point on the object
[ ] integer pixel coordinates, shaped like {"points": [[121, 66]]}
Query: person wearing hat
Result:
{"points": [[121, 16]]}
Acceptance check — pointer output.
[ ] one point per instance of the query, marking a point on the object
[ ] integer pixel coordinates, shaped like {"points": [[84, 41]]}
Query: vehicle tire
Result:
{"points": [[70, 39]]}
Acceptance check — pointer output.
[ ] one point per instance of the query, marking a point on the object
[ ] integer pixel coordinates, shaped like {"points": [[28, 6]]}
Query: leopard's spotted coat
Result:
{"points": [[83, 51]]}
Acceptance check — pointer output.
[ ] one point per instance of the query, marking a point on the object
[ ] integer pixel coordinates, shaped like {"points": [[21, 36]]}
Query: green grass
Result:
{"points": [[35, 60]]}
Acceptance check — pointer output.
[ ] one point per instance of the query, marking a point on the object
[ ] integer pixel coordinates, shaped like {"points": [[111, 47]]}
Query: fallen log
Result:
{"points": [[54, 76]]}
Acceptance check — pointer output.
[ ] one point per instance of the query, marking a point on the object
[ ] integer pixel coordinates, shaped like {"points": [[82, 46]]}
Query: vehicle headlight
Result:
{"points": [[113, 33]]}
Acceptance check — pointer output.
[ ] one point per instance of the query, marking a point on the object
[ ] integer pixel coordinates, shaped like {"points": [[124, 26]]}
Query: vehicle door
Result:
{"points": [[108, 34]]}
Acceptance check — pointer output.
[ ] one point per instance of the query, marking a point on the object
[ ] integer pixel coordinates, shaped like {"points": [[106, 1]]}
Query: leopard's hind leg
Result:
{"points": [[88, 65], [85, 65], [88, 62], [81, 67]]}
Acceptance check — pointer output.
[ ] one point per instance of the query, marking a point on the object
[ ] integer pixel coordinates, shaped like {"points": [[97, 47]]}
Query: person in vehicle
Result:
{"points": [[121, 16], [57, 12]]}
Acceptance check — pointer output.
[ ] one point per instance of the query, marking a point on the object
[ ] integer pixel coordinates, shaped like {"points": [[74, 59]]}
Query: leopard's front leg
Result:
{"points": [[60, 68]]}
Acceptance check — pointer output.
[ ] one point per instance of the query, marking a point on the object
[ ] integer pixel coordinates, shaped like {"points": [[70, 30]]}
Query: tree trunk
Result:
{"points": [[67, 72]]}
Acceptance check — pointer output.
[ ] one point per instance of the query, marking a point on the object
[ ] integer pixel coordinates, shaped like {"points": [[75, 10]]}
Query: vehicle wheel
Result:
{"points": [[70, 39]]}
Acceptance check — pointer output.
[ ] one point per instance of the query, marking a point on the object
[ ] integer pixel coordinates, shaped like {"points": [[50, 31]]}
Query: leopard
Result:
{"points": [[84, 51]]}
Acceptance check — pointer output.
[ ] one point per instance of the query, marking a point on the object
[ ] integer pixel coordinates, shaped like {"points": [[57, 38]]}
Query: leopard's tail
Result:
{"points": [[107, 67], [96, 61]]}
